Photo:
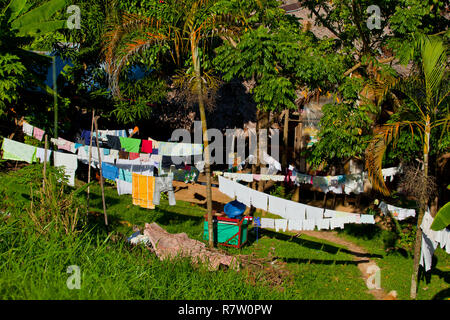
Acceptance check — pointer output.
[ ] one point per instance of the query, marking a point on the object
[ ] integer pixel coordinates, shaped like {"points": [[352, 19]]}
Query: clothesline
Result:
{"points": [[128, 181], [337, 184], [299, 215], [430, 241], [117, 140], [397, 212]]}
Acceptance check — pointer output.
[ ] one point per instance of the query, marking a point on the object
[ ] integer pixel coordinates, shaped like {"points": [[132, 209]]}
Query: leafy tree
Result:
{"points": [[22, 22], [180, 32]]}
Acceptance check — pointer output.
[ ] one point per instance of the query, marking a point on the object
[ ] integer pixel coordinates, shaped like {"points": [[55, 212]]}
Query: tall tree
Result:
{"points": [[428, 90], [179, 31]]}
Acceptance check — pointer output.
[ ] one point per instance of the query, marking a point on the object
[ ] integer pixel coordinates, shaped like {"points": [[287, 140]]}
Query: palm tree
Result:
{"points": [[185, 29], [427, 89]]}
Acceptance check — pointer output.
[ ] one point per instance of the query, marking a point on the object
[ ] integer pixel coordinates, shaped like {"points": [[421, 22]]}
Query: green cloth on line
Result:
{"points": [[13, 150], [130, 144]]}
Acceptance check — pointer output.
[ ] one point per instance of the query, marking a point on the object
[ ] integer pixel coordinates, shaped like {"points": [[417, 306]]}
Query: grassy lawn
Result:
{"points": [[32, 267], [396, 268]]}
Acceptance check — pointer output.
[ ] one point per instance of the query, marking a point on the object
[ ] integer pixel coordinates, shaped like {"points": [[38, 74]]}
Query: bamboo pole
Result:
{"points": [[101, 173], [90, 159]]}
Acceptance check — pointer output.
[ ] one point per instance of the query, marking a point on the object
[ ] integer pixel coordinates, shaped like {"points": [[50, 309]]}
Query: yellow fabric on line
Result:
{"points": [[142, 190]]}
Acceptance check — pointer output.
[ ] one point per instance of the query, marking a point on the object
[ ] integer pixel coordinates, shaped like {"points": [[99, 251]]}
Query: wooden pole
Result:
{"points": [[55, 99], [285, 137], [45, 163], [101, 173], [90, 159]]}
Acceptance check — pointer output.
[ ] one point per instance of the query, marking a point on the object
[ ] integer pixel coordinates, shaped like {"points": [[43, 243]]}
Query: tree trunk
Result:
{"points": [[201, 106], [285, 138], [423, 206]]}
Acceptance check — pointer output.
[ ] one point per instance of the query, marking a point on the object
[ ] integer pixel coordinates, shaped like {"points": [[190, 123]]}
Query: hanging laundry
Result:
{"points": [[109, 171], [130, 144], [397, 212], [259, 199], [124, 187], [309, 224], [143, 188], [313, 213], [389, 173], [354, 183], [121, 133], [27, 128], [86, 135], [295, 225], [112, 156], [40, 154], [134, 155], [367, 218], [124, 155], [64, 144], [113, 142], [146, 146], [70, 164], [274, 165], [329, 213], [164, 184], [323, 224], [303, 178], [38, 133], [125, 175], [13, 150], [295, 210], [281, 224], [227, 187], [144, 157], [336, 223], [242, 194], [277, 206]]}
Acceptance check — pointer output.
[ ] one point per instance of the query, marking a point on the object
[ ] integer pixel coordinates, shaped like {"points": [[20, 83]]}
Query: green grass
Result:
{"points": [[396, 268], [32, 267]]}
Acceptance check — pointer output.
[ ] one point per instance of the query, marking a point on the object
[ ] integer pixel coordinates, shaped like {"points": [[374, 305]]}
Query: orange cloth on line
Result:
{"points": [[142, 190]]}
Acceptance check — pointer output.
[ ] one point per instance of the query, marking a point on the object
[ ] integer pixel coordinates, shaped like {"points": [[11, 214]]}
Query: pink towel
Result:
{"points": [[38, 133]]}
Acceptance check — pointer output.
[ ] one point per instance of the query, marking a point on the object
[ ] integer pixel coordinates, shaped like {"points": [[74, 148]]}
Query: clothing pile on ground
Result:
{"points": [[167, 245]]}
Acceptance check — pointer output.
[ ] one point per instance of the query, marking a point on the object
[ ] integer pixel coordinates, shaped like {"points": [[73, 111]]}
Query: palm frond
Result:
{"points": [[434, 59]]}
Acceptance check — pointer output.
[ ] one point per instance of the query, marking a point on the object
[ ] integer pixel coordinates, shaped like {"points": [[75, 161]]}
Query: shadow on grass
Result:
{"points": [[364, 231], [170, 217], [442, 295], [323, 262], [317, 245], [434, 271]]}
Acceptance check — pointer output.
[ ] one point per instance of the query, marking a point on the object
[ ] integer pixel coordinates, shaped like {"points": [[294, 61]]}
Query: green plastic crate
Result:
{"points": [[224, 231]]}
